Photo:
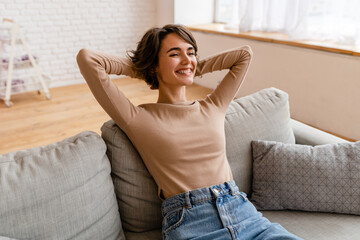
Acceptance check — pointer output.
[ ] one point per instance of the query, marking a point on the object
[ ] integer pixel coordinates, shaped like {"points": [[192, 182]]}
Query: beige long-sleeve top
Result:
{"points": [[181, 144]]}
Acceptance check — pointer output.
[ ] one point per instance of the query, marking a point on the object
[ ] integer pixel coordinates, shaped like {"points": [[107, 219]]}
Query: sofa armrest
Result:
{"points": [[307, 135]]}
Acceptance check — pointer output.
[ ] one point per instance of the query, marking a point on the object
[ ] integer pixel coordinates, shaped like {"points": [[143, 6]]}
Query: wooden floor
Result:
{"points": [[34, 121]]}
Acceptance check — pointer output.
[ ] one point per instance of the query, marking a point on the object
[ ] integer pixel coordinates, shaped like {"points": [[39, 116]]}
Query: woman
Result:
{"points": [[182, 143]]}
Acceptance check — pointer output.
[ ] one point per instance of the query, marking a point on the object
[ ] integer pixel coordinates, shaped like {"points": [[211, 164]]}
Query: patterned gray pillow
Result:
{"points": [[324, 178]]}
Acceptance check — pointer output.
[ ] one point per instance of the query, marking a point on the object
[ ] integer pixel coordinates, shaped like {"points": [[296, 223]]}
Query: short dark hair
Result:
{"points": [[146, 56]]}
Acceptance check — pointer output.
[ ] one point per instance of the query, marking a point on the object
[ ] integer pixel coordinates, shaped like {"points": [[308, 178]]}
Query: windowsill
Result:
{"points": [[278, 38]]}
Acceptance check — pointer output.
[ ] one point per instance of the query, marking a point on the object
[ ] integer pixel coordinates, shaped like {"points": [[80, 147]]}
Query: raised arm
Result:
{"points": [[237, 61], [95, 68]]}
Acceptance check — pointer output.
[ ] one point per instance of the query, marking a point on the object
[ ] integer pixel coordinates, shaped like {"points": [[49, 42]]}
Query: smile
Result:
{"points": [[184, 71]]}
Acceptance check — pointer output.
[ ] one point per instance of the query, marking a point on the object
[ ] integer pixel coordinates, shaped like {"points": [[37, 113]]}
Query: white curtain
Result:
{"points": [[334, 20]]}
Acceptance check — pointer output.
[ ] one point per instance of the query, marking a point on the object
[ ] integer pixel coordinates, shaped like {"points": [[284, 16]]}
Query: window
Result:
{"points": [[329, 20]]}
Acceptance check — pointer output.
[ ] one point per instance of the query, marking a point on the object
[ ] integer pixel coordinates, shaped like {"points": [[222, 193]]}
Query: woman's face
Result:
{"points": [[177, 62]]}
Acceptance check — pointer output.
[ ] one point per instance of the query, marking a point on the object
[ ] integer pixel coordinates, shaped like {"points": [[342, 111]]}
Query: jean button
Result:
{"points": [[216, 190]]}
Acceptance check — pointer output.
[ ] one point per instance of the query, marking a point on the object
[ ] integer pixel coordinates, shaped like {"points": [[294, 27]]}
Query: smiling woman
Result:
{"points": [[182, 143]]}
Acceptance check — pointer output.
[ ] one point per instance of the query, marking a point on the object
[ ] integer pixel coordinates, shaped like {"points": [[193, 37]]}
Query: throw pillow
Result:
{"points": [[324, 178], [59, 191]]}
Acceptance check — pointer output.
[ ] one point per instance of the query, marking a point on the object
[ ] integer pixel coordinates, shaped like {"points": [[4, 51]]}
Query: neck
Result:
{"points": [[169, 95]]}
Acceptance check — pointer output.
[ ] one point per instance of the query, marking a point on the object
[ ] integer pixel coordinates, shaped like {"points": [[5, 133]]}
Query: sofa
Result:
{"points": [[97, 187]]}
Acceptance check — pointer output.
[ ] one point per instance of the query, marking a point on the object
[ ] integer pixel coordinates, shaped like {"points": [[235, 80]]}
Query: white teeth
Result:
{"points": [[184, 71]]}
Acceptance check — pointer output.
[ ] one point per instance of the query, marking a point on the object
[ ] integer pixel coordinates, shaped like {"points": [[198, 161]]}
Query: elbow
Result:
{"points": [[246, 54], [248, 50], [85, 59], [82, 56]]}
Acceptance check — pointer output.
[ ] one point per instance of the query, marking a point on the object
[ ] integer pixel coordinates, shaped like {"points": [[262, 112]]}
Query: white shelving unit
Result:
{"points": [[16, 57]]}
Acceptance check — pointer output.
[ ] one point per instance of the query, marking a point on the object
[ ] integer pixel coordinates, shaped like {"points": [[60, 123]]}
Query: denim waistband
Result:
{"points": [[196, 196]]}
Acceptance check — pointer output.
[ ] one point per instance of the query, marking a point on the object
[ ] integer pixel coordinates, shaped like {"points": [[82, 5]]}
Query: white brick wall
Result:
{"points": [[57, 29]]}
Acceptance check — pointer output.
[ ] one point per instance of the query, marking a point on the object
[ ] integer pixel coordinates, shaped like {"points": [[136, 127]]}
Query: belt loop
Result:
{"points": [[187, 200], [232, 190]]}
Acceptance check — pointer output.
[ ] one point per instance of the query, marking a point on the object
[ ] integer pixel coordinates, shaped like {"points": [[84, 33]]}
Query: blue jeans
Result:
{"points": [[219, 212]]}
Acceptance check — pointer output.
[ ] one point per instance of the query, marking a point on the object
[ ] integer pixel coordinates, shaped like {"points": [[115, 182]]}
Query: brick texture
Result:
{"points": [[57, 29]]}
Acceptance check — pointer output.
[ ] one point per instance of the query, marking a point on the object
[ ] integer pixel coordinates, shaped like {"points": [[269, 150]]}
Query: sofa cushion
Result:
{"points": [[319, 226], [60, 191], [324, 178], [262, 115], [135, 189]]}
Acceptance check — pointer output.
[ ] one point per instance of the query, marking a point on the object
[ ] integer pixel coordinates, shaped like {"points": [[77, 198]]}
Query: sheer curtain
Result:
{"points": [[334, 20]]}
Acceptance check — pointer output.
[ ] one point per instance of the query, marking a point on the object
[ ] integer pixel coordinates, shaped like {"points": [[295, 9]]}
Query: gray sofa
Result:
{"points": [[92, 187]]}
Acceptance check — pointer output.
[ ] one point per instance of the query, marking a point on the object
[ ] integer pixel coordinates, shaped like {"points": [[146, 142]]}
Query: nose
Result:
{"points": [[185, 59]]}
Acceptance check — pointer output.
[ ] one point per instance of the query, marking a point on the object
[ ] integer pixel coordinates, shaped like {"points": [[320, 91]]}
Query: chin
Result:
{"points": [[185, 81], [189, 83]]}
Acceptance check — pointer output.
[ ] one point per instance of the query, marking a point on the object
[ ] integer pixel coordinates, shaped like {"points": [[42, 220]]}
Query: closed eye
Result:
{"points": [[176, 50], [176, 54]]}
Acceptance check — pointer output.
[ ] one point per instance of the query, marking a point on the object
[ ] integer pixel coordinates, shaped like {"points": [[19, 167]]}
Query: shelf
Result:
{"points": [[18, 63], [21, 85]]}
